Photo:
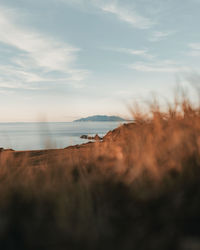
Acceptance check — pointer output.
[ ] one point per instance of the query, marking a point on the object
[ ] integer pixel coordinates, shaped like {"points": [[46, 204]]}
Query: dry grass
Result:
{"points": [[139, 189]]}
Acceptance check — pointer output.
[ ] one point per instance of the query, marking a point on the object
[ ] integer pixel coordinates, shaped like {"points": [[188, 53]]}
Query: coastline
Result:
{"points": [[29, 136], [83, 152]]}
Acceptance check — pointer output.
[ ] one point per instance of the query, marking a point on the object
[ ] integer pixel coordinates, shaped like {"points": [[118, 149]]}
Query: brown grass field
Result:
{"points": [[139, 189]]}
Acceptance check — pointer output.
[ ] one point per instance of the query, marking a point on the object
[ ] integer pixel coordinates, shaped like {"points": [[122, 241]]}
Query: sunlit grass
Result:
{"points": [[138, 189]]}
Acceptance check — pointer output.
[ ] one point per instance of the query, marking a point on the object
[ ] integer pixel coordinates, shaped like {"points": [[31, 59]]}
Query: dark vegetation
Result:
{"points": [[138, 189]]}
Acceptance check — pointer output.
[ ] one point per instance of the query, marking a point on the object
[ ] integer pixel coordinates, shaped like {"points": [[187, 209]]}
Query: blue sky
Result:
{"points": [[65, 59]]}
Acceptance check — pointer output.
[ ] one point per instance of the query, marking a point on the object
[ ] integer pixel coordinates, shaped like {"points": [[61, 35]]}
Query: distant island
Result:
{"points": [[101, 118]]}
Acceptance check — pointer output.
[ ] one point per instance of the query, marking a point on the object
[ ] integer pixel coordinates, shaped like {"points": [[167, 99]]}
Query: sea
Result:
{"points": [[47, 135]]}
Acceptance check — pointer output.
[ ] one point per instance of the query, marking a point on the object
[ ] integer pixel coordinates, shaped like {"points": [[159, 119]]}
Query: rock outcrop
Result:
{"points": [[87, 137]]}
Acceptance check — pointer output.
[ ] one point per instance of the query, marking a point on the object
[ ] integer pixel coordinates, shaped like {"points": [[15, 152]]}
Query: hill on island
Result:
{"points": [[101, 118]]}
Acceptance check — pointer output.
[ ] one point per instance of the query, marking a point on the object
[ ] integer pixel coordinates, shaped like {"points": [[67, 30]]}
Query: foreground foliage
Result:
{"points": [[139, 189]]}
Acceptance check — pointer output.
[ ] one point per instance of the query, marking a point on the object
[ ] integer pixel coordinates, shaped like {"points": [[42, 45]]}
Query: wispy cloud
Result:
{"points": [[126, 14], [37, 56], [5, 92], [160, 66], [195, 46], [194, 49], [12, 77], [139, 53], [160, 35]]}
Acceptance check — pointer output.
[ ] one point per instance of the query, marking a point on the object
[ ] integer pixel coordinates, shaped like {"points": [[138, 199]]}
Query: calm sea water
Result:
{"points": [[32, 136]]}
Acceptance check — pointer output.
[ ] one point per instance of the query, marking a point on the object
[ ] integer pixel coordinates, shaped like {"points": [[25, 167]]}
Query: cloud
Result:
{"points": [[159, 66], [127, 15], [36, 56], [12, 77], [159, 35], [141, 53], [5, 92], [195, 46], [195, 49], [121, 10]]}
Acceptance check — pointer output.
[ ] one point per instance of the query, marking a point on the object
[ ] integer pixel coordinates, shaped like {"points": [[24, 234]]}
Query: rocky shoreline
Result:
{"points": [[88, 137], [36, 156]]}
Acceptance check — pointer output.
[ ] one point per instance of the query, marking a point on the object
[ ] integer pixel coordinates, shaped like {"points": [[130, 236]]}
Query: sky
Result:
{"points": [[65, 59]]}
